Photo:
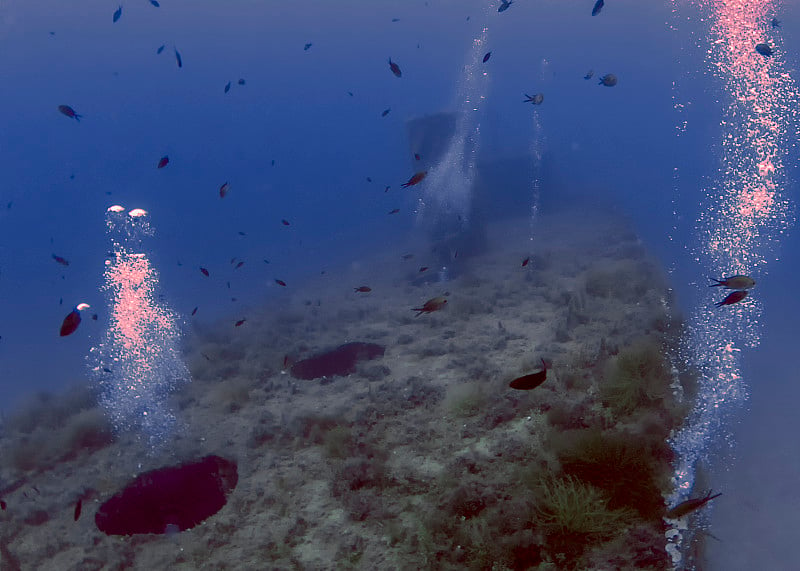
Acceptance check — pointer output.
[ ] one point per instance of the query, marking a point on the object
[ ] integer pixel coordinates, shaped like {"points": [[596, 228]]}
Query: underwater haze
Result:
{"points": [[188, 168]]}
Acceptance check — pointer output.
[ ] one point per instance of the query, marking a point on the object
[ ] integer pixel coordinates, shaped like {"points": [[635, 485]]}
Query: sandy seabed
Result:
{"points": [[421, 459]]}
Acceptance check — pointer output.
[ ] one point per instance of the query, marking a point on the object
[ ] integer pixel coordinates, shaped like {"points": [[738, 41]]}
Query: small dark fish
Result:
{"points": [[284, 222], [395, 68], [155, 3], [363, 289], [597, 7], [386, 112], [227, 87], [395, 19], [350, 93], [239, 265], [106, 370], [69, 112], [369, 179], [273, 162], [280, 282], [94, 317], [536, 99], [416, 179], [775, 23], [223, 190], [733, 297], [589, 74], [60, 260], [531, 381], [690, 505], [241, 81], [395, 211], [407, 256], [117, 15], [433, 304], [160, 49], [240, 233], [764, 49], [417, 157], [505, 5], [3, 505], [526, 261], [487, 56], [387, 189], [70, 323], [204, 271], [735, 282], [194, 310], [78, 506], [207, 358], [239, 323], [178, 58], [609, 80], [307, 46], [163, 161], [266, 261], [423, 269]]}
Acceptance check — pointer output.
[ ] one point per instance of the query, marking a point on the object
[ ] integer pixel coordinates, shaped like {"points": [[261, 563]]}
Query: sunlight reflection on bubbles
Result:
{"points": [[138, 363], [745, 216]]}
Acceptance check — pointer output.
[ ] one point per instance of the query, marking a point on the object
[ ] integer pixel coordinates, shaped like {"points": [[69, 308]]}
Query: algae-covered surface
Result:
{"points": [[423, 458]]}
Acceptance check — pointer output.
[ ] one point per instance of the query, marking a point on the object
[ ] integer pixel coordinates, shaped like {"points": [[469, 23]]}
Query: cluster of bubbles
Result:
{"points": [[138, 362]]}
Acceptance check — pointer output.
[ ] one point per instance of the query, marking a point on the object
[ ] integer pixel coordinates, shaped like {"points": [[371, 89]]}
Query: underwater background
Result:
{"points": [[294, 106]]}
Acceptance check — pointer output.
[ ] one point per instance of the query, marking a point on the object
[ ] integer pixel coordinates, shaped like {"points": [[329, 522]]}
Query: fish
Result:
{"points": [[241, 81], [423, 269], [735, 282], [307, 46], [72, 320], [505, 5], [386, 112], [194, 310], [417, 157], [60, 260], [363, 289], [78, 506], [764, 49], [117, 15], [395, 19], [239, 323], [733, 297], [433, 304], [487, 56], [94, 317], [223, 190], [589, 74], [609, 80], [394, 211], [775, 23], [70, 112], [407, 256], [160, 49], [178, 58], [395, 68], [3, 505], [690, 505], [280, 282], [416, 179], [528, 382], [597, 7], [536, 99], [526, 261], [227, 87], [284, 222], [204, 271], [155, 3], [369, 179], [239, 265], [163, 161]]}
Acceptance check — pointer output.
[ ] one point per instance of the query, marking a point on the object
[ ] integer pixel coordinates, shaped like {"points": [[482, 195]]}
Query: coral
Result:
{"points": [[637, 377], [569, 505]]}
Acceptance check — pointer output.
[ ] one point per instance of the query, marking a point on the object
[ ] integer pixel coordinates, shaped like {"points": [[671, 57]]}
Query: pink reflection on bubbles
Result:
{"points": [[138, 363]]}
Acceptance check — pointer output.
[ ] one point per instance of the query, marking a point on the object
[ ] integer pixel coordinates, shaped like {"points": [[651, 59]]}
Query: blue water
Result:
{"points": [[652, 145]]}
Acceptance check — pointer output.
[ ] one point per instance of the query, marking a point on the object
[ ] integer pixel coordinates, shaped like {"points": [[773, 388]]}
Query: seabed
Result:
{"points": [[421, 459]]}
